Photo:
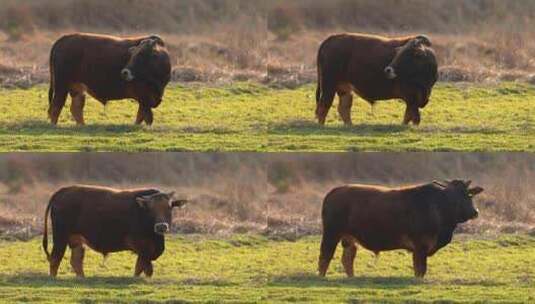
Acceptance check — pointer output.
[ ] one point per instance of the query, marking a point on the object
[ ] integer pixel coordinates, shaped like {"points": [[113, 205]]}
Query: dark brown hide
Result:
{"points": [[374, 68], [91, 63], [420, 219], [108, 220]]}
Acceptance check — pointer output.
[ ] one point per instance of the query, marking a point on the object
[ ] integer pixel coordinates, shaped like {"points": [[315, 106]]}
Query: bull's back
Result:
{"points": [[374, 215], [103, 217], [92, 60]]}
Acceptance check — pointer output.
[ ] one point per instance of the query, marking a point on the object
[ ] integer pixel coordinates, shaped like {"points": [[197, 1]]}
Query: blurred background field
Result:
{"points": [[277, 195], [227, 191], [274, 41], [298, 183]]}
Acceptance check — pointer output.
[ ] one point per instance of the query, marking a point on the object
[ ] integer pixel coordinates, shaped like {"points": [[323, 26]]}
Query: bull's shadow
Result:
{"points": [[313, 280], [363, 281], [301, 127], [37, 127], [309, 127], [39, 280]]}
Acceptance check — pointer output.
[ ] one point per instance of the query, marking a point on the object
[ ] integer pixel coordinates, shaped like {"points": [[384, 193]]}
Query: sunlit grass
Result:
{"points": [[253, 117], [254, 269]]}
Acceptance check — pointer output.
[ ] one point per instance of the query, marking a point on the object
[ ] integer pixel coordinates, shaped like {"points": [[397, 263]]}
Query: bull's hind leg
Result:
{"points": [[77, 106], [344, 106], [348, 257], [58, 251], [77, 260], [329, 242], [325, 103], [58, 102]]}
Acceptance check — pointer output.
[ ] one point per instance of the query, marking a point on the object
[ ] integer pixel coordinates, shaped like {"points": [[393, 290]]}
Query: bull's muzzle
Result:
{"points": [[161, 228], [390, 72], [476, 213], [127, 75]]}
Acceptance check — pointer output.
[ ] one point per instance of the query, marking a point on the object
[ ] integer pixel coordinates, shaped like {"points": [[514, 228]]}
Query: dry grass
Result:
{"points": [[227, 191], [475, 41], [276, 194], [209, 41], [298, 184], [222, 41]]}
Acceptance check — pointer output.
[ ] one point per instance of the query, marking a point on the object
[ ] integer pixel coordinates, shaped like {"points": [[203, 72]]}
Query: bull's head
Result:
{"points": [[459, 194], [140, 57], [159, 207], [414, 56]]}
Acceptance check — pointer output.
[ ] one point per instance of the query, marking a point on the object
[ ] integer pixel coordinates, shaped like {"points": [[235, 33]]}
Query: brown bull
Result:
{"points": [[108, 220], [108, 68], [375, 68], [420, 219]]}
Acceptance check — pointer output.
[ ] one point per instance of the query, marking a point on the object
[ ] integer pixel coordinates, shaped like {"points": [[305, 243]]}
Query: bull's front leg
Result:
{"points": [[419, 261], [412, 113], [144, 265], [144, 113], [139, 117]]}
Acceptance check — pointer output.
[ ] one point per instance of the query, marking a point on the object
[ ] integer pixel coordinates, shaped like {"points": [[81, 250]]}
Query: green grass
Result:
{"points": [[192, 269], [248, 269], [458, 118], [253, 117], [189, 119]]}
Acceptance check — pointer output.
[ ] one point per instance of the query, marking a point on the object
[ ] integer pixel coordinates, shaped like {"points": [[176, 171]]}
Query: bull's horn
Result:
{"points": [[440, 184]]}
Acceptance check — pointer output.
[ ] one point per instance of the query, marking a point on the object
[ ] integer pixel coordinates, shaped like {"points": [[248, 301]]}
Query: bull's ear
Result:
{"points": [[142, 201], [467, 183], [422, 39], [158, 39], [151, 43], [179, 203], [475, 191]]}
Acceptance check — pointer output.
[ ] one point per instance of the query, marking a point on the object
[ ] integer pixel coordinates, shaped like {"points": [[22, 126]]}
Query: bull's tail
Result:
{"points": [[52, 64], [45, 231], [318, 81], [52, 68], [318, 86]]}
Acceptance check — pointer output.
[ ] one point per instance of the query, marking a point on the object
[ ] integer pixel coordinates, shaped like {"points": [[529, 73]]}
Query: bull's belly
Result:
{"points": [[403, 241], [103, 245], [383, 242], [372, 94], [104, 92]]}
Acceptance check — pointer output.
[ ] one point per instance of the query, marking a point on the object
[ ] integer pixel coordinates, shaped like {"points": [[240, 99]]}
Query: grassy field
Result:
{"points": [[249, 269], [190, 270], [458, 118], [253, 117]]}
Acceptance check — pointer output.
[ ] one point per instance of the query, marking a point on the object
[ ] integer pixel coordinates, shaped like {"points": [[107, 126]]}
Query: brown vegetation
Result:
{"points": [[298, 184], [484, 40], [227, 191], [276, 194], [274, 41], [214, 41]]}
